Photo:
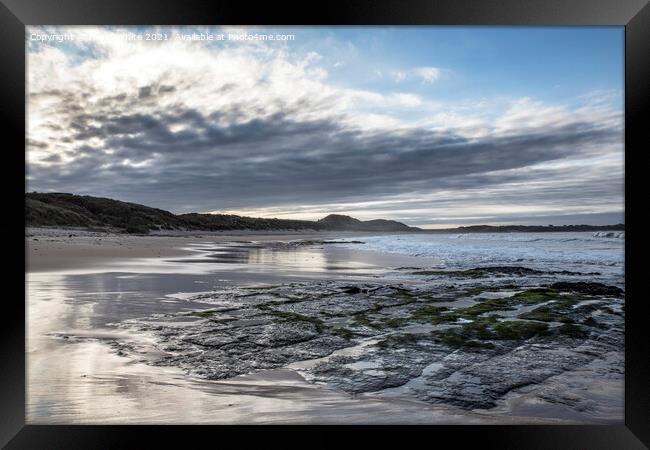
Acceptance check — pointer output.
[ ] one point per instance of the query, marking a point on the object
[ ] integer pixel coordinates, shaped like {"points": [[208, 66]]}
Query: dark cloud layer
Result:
{"points": [[276, 159]]}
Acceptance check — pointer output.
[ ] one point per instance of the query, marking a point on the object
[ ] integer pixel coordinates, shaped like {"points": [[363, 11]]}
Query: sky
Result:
{"points": [[431, 126]]}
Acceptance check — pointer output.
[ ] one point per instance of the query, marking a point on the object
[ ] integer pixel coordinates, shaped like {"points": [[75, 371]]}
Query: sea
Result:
{"points": [[601, 253]]}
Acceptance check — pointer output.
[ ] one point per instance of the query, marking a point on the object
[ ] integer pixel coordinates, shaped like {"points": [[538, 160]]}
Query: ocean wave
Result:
{"points": [[560, 251], [529, 237], [610, 234]]}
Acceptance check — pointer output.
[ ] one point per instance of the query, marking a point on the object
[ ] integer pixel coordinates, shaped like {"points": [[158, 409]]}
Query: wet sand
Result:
{"points": [[65, 250]]}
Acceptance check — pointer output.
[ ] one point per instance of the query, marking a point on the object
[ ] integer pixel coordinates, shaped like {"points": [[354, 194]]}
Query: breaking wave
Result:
{"points": [[610, 234]]}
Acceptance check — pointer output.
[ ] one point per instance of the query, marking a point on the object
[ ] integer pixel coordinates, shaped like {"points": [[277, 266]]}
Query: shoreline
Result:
{"points": [[72, 249], [66, 249], [79, 296]]}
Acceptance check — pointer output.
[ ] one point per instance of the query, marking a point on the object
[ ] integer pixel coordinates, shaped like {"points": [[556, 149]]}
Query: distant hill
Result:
{"points": [[84, 211], [69, 210], [347, 223]]}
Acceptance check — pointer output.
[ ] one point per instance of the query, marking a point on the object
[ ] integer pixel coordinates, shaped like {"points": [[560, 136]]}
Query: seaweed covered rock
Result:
{"points": [[589, 288]]}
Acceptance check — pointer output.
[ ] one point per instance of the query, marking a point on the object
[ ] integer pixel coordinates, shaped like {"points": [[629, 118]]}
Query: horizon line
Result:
{"points": [[324, 215]]}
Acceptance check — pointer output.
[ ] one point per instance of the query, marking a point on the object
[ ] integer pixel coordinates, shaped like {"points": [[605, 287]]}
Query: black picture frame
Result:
{"points": [[634, 15]]}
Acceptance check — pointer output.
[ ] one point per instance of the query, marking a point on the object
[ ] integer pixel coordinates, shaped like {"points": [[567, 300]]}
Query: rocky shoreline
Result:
{"points": [[464, 338]]}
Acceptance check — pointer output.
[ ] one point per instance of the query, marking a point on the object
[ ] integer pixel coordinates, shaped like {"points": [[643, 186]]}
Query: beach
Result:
{"points": [[330, 327]]}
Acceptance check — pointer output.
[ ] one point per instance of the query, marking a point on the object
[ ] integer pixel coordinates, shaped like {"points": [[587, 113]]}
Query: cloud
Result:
{"points": [[424, 74], [256, 128], [399, 76], [428, 74]]}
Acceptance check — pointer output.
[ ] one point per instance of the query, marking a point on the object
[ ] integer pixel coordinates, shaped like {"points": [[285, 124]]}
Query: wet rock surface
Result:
{"points": [[468, 344], [587, 288]]}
